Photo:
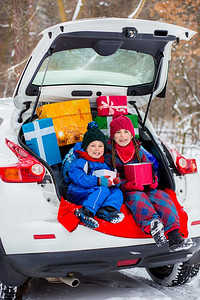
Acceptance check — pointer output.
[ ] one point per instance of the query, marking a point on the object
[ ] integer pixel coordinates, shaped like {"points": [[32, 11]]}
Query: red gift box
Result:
{"points": [[140, 173], [110, 105]]}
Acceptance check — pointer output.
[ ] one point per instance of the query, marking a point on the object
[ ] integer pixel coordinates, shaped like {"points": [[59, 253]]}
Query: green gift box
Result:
{"points": [[104, 124]]}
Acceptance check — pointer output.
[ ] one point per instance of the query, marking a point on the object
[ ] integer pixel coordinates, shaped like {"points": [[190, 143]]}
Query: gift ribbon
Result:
{"points": [[38, 133], [111, 107], [106, 131], [81, 114]]}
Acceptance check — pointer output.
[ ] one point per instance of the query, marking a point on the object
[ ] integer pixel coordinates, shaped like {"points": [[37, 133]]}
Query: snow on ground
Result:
{"points": [[131, 284]]}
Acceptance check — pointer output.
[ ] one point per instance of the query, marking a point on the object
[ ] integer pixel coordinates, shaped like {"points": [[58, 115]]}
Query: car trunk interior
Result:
{"points": [[146, 140]]}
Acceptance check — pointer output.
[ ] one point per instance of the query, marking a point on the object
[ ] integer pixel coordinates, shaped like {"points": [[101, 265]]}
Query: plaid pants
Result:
{"points": [[152, 204]]}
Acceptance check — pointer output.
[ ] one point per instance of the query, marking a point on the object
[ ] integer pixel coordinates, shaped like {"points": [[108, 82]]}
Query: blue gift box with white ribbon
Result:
{"points": [[40, 137]]}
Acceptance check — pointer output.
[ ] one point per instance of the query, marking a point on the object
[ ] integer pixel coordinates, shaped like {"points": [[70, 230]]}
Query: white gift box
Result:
{"points": [[105, 172]]}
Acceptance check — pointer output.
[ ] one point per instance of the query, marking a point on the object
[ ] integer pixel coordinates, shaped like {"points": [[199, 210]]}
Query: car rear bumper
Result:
{"points": [[88, 262]]}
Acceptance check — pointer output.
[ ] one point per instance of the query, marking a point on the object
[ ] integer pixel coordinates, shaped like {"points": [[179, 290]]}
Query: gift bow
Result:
{"points": [[112, 108]]}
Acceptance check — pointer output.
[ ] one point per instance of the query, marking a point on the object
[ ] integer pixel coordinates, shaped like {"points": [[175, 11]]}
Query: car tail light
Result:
{"points": [[129, 262], [186, 166], [28, 168], [183, 165]]}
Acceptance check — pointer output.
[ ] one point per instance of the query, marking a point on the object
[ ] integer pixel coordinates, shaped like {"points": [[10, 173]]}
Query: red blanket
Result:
{"points": [[127, 228]]}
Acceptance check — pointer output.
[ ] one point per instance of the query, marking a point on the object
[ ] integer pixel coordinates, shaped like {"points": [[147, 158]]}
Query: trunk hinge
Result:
{"points": [[28, 105], [40, 88], [153, 90]]}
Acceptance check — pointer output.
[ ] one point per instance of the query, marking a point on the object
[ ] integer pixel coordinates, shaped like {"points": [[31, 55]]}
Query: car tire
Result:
{"points": [[194, 271], [172, 275], [7, 292]]}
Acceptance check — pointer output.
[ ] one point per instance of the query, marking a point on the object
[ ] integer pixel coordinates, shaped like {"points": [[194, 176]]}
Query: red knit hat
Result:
{"points": [[121, 122]]}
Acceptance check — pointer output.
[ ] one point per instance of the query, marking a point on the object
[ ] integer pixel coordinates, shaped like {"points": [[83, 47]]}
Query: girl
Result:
{"points": [[153, 210]]}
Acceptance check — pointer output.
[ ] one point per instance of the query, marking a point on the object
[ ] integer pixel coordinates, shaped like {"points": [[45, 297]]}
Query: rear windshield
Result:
{"points": [[85, 66]]}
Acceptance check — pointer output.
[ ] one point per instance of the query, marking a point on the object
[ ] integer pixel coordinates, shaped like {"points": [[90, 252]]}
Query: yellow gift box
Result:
{"points": [[70, 119]]}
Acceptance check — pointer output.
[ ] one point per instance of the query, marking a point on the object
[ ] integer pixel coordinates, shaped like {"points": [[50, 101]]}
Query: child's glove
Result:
{"points": [[131, 186], [154, 185], [117, 181], [105, 181]]}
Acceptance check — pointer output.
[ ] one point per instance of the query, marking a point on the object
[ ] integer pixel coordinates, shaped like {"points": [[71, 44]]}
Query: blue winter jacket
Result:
{"points": [[81, 170]]}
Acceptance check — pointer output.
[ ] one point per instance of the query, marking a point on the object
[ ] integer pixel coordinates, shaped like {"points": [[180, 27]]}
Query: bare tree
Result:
{"points": [[61, 9]]}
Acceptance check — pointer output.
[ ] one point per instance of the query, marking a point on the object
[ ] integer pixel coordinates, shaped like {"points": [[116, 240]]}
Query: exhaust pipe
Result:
{"points": [[70, 280]]}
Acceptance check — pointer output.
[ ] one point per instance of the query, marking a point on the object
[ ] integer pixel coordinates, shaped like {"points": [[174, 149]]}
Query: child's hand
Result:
{"points": [[154, 185], [105, 181], [117, 181], [131, 186]]}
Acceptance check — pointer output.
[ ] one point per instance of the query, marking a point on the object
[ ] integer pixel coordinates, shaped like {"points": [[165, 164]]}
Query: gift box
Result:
{"points": [[110, 105], [140, 173], [104, 124], [70, 119], [40, 137], [105, 172]]}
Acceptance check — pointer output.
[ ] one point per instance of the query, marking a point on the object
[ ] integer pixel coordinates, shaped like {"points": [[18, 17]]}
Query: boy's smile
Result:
{"points": [[95, 149]]}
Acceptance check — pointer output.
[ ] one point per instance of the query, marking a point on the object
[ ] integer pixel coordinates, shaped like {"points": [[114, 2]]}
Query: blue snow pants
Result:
{"points": [[95, 197], [152, 204]]}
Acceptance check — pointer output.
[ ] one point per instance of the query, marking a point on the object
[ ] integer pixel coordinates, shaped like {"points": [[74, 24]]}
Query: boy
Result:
{"points": [[97, 195]]}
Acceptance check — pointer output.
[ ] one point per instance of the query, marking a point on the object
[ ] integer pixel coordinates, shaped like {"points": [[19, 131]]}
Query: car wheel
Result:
{"points": [[7, 292], [194, 271], [173, 275]]}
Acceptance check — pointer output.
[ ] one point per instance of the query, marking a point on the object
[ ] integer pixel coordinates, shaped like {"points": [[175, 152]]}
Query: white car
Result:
{"points": [[78, 60]]}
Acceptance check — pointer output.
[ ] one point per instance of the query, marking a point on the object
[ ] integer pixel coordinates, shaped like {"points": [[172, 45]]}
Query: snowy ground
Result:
{"points": [[134, 284]]}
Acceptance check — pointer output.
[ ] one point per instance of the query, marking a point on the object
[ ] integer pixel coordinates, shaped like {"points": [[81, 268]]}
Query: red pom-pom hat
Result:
{"points": [[121, 122]]}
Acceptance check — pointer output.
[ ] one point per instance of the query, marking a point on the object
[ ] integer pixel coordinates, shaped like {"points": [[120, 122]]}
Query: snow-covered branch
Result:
{"points": [[29, 20], [176, 108], [188, 118], [77, 10], [4, 25], [12, 68], [191, 88], [137, 10]]}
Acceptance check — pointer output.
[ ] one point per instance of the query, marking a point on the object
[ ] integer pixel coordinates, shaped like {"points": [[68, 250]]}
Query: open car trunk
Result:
{"points": [[127, 228], [146, 140], [130, 58], [101, 57]]}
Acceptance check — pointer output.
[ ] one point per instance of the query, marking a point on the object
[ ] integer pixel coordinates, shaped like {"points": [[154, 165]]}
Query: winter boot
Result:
{"points": [[110, 214], [177, 242], [87, 217], [157, 232]]}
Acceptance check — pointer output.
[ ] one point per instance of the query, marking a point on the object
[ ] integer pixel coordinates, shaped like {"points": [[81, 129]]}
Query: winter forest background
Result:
{"points": [[175, 117]]}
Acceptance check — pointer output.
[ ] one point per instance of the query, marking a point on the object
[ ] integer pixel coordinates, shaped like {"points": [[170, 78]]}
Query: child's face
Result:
{"points": [[123, 137], [95, 149]]}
